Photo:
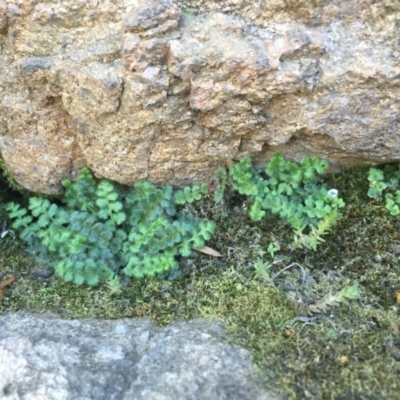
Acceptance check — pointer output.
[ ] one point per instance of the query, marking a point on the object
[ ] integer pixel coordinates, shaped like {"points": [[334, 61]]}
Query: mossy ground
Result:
{"points": [[353, 352]]}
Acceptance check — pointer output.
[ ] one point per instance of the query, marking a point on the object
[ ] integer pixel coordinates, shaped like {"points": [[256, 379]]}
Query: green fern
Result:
{"points": [[314, 237], [221, 177], [385, 184], [294, 192], [100, 230], [190, 194]]}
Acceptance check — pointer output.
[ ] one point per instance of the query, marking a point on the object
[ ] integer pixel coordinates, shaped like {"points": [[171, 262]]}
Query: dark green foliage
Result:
{"points": [[294, 192], [385, 183], [221, 176], [8, 179], [97, 231]]}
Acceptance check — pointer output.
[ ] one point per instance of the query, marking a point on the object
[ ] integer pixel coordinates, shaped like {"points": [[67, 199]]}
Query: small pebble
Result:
{"points": [[42, 273]]}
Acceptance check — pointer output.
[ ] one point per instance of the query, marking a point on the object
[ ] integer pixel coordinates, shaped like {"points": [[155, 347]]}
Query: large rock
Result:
{"points": [[43, 357], [149, 89]]}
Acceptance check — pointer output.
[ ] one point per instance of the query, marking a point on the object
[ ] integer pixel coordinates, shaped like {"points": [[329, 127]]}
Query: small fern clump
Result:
{"points": [[100, 230], [294, 192], [347, 293], [385, 184]]}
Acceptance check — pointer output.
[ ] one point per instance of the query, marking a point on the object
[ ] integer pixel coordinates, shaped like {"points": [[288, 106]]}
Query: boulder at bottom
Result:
{"points": [[45, 357]]}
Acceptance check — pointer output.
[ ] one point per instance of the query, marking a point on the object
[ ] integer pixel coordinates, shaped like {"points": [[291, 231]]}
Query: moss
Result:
{"points": [[353, 352]]}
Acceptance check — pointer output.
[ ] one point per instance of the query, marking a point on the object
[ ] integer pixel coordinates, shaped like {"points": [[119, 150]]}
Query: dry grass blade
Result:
{"points": [[6, 283]]}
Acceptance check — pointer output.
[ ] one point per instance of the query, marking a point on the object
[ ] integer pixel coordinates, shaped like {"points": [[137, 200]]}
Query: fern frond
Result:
{"points": [[347, 293]]}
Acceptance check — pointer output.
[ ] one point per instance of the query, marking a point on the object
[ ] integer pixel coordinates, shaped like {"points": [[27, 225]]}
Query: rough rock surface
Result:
{"points": [[44, 357], [151, 89]]}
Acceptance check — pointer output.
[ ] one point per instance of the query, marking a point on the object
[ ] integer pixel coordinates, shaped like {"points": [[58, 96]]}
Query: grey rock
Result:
{"points": [[45, 357]]}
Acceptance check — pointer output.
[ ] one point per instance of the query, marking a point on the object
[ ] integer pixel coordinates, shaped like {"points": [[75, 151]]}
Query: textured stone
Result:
{"points": [[44, 357], [170, 91]]}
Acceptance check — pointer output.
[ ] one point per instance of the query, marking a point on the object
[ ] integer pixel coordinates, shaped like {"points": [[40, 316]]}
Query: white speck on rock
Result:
{"points": [[108, 353], [121, 330]]}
